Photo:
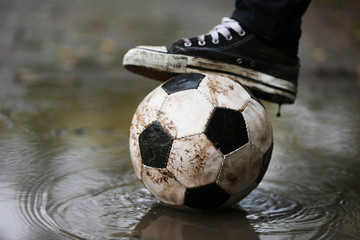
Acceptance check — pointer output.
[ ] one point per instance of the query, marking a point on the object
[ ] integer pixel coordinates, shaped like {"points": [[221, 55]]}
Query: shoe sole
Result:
{"points": [[157, 63]]}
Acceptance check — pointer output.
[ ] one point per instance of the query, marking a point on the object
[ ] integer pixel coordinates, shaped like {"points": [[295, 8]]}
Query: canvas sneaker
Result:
{"points": [[269, 71]]}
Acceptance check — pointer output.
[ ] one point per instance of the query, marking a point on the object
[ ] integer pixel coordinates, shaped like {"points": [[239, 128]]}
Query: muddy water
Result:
{"points": [[65, 110], [66, 172]]}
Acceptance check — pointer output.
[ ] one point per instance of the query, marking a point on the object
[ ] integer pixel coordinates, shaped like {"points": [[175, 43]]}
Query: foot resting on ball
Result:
{"points": [[229, 49]]}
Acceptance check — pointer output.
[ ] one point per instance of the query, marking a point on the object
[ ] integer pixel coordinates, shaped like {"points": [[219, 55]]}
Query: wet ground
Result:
{"points": [[66, 105]]}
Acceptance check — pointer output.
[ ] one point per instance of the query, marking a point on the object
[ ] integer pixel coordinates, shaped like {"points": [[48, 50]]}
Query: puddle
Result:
{"points": [[65, 169]]}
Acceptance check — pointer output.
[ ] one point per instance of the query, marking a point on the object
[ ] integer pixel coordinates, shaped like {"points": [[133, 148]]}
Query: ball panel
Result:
{"points": [[194, 161], [162, 184], [227, 130], [239, 196], [224, 92], [206, 197], [135, 153], [265, 163], [259, 126], [155, 145], [252, 95], [147, 111], [182, 82], [185, 113], [240, 169]]}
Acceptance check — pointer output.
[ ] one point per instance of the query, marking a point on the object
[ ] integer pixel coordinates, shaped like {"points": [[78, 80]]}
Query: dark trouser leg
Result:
{"points": [[275, 20]]}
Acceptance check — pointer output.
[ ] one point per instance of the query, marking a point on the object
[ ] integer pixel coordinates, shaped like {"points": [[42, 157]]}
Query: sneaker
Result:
{"points": [[229, 49]]}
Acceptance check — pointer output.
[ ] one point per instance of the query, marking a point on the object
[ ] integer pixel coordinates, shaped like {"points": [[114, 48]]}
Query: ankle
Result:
{"points": [[286, 45]]}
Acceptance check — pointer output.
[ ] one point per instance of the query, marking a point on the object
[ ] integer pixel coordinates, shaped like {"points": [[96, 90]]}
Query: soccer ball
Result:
{"points": [[200, 141]]}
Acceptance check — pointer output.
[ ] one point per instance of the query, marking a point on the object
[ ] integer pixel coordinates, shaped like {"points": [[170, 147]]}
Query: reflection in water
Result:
{"points": [[165, 223]]}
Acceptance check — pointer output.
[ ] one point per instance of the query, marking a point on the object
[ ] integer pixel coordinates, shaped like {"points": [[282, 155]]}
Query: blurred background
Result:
{"points": [[66, 104]]}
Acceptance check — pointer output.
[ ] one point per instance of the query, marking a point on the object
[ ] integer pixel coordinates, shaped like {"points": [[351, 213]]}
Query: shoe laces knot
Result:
{"points": [[224, 29]]}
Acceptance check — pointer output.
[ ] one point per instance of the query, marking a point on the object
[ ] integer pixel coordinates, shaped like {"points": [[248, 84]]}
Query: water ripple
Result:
{"points": [[100, 212], [287, 216]]}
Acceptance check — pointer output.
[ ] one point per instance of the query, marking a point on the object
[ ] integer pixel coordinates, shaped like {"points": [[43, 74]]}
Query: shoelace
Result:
{"points": [[224, 28]]}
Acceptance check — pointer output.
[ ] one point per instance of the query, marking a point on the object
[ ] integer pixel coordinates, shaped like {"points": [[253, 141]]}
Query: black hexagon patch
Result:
{"points": [[183, 82], [155, 145], [207, 197], [265, 164], [227, 130]]}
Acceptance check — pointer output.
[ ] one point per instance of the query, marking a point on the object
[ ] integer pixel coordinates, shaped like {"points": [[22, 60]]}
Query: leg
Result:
{"points": [[276, 20]]}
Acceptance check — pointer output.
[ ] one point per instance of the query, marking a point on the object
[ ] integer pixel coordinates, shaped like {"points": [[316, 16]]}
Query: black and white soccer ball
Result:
{"points": [[200, 141]]}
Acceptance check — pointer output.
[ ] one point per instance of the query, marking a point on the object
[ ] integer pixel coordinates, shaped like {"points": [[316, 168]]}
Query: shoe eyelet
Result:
{"points": [[201, 43], [229, 38], [252, 64], [239, 61], [242, 33], [215, 41], [187, 44]]}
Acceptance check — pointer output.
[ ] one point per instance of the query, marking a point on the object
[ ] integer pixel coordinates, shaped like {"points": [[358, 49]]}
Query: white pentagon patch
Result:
{"points": [[185, 113], [147, 111], [135, 153], [241, 168], [224, 92], [259, 125], [162, 184], [195, 161]]}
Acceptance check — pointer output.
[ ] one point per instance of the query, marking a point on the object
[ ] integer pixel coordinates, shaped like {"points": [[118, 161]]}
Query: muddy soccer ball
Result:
{"points": [[200, 141]]}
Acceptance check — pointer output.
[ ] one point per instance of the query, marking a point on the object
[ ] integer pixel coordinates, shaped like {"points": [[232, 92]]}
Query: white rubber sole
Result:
{"points": [[158, 59]]}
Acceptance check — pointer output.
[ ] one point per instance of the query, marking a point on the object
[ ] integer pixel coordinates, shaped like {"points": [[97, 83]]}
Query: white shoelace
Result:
{"points": [[224, 28]]}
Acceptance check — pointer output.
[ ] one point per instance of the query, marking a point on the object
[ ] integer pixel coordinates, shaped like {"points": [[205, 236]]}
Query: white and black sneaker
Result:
{"points": [[229, 49]]}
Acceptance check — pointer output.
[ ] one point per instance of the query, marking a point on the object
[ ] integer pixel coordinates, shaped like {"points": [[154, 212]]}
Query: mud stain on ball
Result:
{"points": [[163, 185], [200, 161]]}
